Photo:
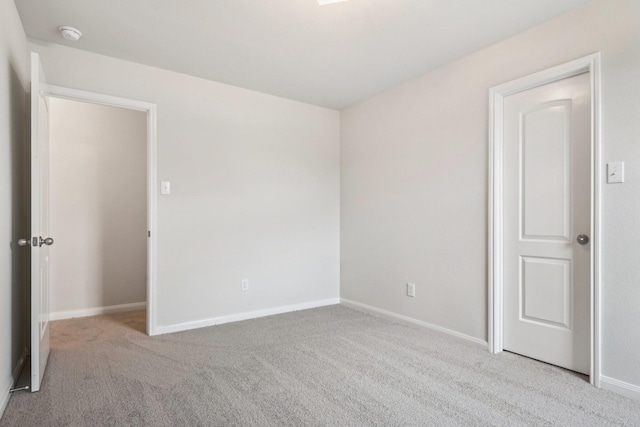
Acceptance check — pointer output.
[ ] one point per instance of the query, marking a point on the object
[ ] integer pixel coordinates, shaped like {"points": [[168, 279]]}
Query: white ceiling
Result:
{"points": [[332, 56]]}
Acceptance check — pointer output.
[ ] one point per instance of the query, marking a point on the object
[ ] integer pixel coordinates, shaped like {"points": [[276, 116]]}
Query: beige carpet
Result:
{"points": [[330, 366]]}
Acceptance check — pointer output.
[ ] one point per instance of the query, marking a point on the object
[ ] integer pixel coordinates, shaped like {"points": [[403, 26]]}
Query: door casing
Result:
{"points": [[588, 64], [152, 184]]}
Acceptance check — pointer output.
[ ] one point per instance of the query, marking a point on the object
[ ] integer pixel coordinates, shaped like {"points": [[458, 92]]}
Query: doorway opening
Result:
{"points": [[501, 266], [103, 207], [97, 209]]}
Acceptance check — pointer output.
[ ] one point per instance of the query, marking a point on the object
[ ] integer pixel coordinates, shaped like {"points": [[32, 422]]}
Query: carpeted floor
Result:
{"points": [[331, 366]]}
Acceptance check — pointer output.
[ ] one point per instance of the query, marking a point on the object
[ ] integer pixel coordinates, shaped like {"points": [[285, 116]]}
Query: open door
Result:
{"points": [[40, 240]]}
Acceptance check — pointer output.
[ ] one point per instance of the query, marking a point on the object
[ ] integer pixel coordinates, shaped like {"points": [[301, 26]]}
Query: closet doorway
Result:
{"points": [[102, 206]]}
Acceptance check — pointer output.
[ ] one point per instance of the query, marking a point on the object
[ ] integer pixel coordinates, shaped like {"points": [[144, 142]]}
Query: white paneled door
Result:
{"points": [[40, 239], [547, 205]]}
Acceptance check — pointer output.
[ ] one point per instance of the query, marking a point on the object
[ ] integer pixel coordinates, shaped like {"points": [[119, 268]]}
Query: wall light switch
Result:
{"points": [[165, 188], [411, 289], [615, 172]]}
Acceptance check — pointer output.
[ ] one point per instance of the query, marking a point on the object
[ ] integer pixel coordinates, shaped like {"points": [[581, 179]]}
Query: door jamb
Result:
{"points": [[152, 168], [588, 64]]}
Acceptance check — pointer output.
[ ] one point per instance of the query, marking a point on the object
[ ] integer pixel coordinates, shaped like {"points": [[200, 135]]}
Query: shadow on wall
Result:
{"points": [[20, 215]]}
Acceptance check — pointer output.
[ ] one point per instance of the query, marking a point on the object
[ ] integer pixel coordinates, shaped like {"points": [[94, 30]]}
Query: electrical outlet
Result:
{"points": [[245, 285], [411, 290]]}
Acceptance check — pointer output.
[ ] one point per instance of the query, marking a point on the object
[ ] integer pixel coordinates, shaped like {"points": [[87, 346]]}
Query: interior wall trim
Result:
{"points": [[220, 320], [392, 315], [12, 381], [620, 387], [96, 311], [152, 179], [588, 64]]}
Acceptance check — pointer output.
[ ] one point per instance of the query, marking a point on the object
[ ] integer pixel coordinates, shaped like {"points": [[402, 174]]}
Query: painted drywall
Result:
{"points": [[98, 179], [13, 204], [254, 188], [414, 181]]}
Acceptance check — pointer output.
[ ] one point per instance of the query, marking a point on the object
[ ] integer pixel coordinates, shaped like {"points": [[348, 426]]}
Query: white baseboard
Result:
{"points": [[620, 387], [159, 330], [5, 397], [60, 315], [390, 314], [14, 377]]}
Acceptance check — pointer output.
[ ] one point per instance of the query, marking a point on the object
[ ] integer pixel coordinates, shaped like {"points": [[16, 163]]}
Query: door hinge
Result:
{"points": [[149, 233]]}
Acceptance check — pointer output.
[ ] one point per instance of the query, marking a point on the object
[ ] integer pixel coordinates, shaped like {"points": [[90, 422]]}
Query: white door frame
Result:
{"points": [[589, 64], [152, 167]]}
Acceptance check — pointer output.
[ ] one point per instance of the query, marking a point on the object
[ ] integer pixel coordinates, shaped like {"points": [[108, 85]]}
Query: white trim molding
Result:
{"points": [[5, 396], [96, 311], [589, 64], [152, 184], [620, 387], [389, 314], [15, 375], [196, 324]]}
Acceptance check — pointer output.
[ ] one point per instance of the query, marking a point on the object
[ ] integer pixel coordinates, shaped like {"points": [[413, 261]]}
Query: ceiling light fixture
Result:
{"points": [[70, 33], [326, 2]]}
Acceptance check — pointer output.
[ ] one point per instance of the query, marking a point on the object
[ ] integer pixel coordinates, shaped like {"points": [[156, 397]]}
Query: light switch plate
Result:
{"points": [[165, 188], [411, 289], [615, 172]]}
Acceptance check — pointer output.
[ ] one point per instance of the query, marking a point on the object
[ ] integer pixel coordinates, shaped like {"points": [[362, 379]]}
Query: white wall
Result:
{"points": [[13, 204], [255, 188], [414, 181], [98, 206]]}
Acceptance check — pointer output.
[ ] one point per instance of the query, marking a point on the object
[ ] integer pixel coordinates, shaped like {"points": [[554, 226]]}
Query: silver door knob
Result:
{"points": [[48, 241], [24, 242], [583, 239]]}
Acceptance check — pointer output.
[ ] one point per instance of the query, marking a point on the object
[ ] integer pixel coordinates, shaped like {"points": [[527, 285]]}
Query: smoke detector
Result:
{"points": [[70, 33]]}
